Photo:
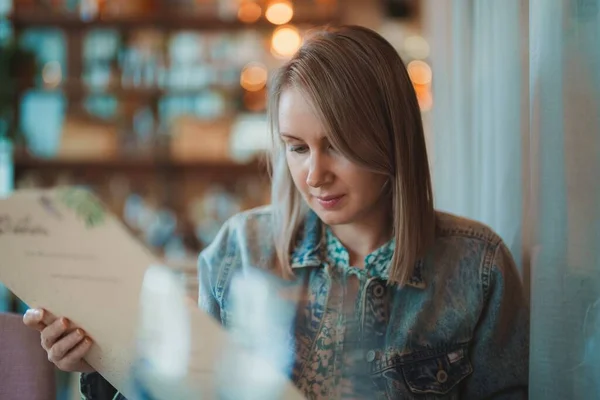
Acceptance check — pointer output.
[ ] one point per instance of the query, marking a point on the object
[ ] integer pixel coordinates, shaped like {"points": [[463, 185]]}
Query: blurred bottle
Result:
{"points": [[89, 9], [5, 8], [6, 163], [6, 187], [228, 9]]}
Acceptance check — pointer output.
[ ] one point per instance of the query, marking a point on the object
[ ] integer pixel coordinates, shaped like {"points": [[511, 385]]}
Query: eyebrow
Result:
{"points": [[287, 135]]}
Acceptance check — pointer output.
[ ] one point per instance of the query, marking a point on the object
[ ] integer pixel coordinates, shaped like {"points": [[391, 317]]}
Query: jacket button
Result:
{"points": [[371, 355], [442, 376]]}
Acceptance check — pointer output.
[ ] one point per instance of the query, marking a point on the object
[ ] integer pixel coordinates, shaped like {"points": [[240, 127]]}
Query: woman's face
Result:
{"points": [[339, 191]]}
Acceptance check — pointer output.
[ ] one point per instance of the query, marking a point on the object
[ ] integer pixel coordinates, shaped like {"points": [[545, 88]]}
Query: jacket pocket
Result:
{"points": [[427, 374], [438, 374]]}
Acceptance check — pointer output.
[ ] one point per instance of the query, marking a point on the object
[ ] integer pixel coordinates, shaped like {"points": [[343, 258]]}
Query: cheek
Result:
{"points": [[297, 171], [365, 184]]}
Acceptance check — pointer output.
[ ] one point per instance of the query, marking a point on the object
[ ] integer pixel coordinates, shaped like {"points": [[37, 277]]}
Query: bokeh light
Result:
{"points": [[416, 47], [52, 74], [280, 12], [286, 41], [420, 72], [249, 12], [254, 77]]}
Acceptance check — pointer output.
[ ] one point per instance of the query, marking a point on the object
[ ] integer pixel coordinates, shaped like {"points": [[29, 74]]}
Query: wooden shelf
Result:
{"points": [[168, 21], [148, 165], [79, 91]]}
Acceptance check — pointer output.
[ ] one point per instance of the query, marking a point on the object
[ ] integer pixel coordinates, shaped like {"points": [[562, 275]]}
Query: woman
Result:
{"points": [[400, 301]]}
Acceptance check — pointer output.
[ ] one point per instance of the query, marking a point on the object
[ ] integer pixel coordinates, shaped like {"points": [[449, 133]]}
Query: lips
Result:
{"points": [[329, 202], [328, 198]]}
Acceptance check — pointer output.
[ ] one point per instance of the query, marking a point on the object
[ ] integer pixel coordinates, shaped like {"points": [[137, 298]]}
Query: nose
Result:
{"points": [[318, 173]]}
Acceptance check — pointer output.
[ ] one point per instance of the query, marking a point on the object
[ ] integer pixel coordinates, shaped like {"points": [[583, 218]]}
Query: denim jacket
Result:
{"points": [[459, 329]]}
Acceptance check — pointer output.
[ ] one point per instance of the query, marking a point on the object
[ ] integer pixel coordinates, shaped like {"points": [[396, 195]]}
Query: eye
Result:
{"points": [[300, 148]]}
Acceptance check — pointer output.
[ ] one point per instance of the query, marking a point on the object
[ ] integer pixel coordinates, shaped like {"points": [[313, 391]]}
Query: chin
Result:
{"points": [[337, 217]]}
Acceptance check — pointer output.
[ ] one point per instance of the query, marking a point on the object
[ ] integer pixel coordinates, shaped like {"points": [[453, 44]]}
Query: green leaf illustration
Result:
{"points": [[85, 204]]}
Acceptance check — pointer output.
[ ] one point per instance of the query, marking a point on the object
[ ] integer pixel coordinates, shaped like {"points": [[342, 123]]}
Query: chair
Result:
{"points": [[25, 372]]}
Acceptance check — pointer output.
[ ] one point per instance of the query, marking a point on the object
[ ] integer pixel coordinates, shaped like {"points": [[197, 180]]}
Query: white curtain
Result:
{"points": [[516, 127], [480, 114]]}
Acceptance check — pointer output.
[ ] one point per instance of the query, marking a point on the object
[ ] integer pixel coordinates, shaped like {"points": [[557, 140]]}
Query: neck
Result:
{"points": [[362, 238]]}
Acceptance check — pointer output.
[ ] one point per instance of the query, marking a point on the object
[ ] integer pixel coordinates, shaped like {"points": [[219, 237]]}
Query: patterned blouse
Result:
{"points": [[332, 374], [376, 263]]}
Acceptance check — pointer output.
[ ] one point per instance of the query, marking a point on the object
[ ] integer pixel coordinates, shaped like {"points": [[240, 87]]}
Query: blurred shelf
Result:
{"points": [[79, 90], [147, 165], [167, 21]]}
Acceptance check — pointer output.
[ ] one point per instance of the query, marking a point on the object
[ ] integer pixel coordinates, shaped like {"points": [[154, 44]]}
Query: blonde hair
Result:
{"points": [[362, 93]]}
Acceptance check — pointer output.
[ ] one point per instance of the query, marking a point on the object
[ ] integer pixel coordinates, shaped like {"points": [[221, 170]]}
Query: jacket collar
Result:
{"points": [[311, 247]]}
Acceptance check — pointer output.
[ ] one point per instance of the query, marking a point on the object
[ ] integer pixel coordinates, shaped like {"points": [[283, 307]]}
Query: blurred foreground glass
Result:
{"points": [[184, 354], [565, 157]]}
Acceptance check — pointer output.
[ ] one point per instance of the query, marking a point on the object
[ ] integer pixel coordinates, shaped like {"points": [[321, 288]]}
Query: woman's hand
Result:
{"points": [[65, 346]]}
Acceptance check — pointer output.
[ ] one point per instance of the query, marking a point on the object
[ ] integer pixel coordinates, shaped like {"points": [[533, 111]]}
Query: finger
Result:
{"points": [[65, 345], [53, 332], [38, 318], [47, 317], [74, 357], [33, 318]]}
